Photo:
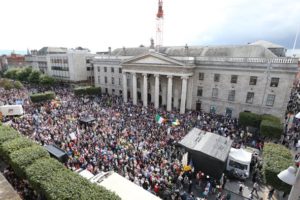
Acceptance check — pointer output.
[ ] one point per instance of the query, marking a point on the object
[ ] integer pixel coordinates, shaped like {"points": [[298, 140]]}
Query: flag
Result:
{"points": [[175, 122], [159, 119]]}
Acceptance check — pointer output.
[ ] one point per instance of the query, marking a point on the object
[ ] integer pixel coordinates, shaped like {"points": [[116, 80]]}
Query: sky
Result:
{"points": [[99, 24]]}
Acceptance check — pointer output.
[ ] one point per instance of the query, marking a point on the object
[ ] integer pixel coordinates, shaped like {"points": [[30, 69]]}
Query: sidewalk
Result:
{"points": [[7, 192], [262, 194]]}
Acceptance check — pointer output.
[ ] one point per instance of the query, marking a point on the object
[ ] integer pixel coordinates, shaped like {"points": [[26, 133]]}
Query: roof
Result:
{"points": [[240, 155], [57, 152], [86, 174], [211, 144], [255, 51], [266, 44], [124, 188], [52, 50]]}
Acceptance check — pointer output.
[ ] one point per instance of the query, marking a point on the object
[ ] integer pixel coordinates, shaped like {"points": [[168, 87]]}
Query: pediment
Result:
{"points": [[153, 59]]}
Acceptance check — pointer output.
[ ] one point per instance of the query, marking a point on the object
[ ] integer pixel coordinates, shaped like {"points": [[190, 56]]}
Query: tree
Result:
{"points": [[276, 158], [18, 85], [39, 97], [23, 74], [11, 73], [271, 129], [34, 77], [46, 80], [249, 119]]}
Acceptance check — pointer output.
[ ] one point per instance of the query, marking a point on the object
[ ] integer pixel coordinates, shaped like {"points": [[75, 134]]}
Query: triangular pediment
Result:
{"points": [[152, 59]]}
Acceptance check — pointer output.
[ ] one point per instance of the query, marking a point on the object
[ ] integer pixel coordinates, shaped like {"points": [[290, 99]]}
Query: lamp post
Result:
{"points": [[291, 176]]}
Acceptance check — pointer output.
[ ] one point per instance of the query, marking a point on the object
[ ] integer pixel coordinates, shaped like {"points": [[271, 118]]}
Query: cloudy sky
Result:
{"points": [[98, 24]]}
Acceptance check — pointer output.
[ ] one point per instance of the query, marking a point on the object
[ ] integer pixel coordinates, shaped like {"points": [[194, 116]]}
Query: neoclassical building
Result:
{"points": [[219, 79]]}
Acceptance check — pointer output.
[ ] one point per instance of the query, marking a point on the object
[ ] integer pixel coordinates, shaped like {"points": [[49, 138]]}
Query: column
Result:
{"points": [[169, 97], [189, 97], [183, 94], [125, 88], [156, 92], [176, 96], [163, 93], [134, 92], [152, 88], [145, 90]]}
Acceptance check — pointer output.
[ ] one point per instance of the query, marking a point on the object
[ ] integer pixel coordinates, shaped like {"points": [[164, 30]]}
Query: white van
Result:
{"points": [[11, 110]]}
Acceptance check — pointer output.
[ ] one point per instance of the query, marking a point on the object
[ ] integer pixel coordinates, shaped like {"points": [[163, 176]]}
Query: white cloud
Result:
{"points": [[97, 24]]}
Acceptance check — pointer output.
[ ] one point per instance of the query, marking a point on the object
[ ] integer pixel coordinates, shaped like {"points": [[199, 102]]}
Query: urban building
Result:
{"points": [[219, 79], [61, 63], [11, 61]]}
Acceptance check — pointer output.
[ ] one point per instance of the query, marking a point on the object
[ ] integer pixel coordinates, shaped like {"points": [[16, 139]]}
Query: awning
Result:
{"points": [[240, 156]]}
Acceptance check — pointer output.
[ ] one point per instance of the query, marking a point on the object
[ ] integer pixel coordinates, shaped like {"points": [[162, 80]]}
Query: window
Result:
{"points": [[228, 112], [105, 69], [112, 80], [113, 91], [98, 69], [217, 77], [120, 70], [106, 90], [253, 80], [199, 91], [201, 76], [215, 92], [274, 82], [233, 79], [213, 109], [250, 97], [99, 79], [120, 81], [270, 100], [112, 70], [237, 165], [105, 79], [231, 95], [120, 92]]}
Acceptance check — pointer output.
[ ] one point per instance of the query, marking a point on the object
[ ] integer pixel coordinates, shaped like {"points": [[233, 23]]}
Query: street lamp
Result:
{"points": [[291, 176]]}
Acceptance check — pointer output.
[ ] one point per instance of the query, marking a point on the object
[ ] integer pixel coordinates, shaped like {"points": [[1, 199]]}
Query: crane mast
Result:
{"points": [[159, 25]]}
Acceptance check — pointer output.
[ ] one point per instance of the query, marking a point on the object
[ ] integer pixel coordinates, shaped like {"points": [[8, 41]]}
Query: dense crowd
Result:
{"points": [[124, 138]]}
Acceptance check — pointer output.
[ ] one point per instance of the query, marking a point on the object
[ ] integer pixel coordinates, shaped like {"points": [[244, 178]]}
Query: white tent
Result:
{"points": [[298, 115], [85, 173], [239, 159]]}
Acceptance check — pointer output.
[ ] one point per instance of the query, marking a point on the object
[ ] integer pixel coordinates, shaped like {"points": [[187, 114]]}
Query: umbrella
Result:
{"points": [[187, 168], [298, 115]]}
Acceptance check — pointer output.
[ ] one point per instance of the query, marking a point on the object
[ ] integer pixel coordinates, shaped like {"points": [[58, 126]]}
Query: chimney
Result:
{"points": [[109, 50]]}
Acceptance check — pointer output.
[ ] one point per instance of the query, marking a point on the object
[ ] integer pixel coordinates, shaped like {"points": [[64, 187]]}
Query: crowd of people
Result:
{"points": [[124, 138]]}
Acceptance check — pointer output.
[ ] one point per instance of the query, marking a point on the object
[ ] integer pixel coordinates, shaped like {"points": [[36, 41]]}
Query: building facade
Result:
{"points": [[64, 64], [224, 80], [12, 61]]}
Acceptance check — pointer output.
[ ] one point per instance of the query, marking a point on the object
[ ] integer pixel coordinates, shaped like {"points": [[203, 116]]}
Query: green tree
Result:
{"points": [[23, 74], [46, 80], [11, 73], [276, 158], [18, 85], [34, 77]]}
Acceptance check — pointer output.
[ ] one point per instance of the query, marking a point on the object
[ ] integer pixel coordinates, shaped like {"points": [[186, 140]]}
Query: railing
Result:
{"points": [[249, 60]]}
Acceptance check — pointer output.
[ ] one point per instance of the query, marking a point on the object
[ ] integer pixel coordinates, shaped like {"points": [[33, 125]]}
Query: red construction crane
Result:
{"points": [[160, 12], [159, 24]]}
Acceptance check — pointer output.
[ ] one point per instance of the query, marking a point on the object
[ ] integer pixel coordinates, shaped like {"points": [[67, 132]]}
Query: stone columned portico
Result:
{"points": [[166, 73]]}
